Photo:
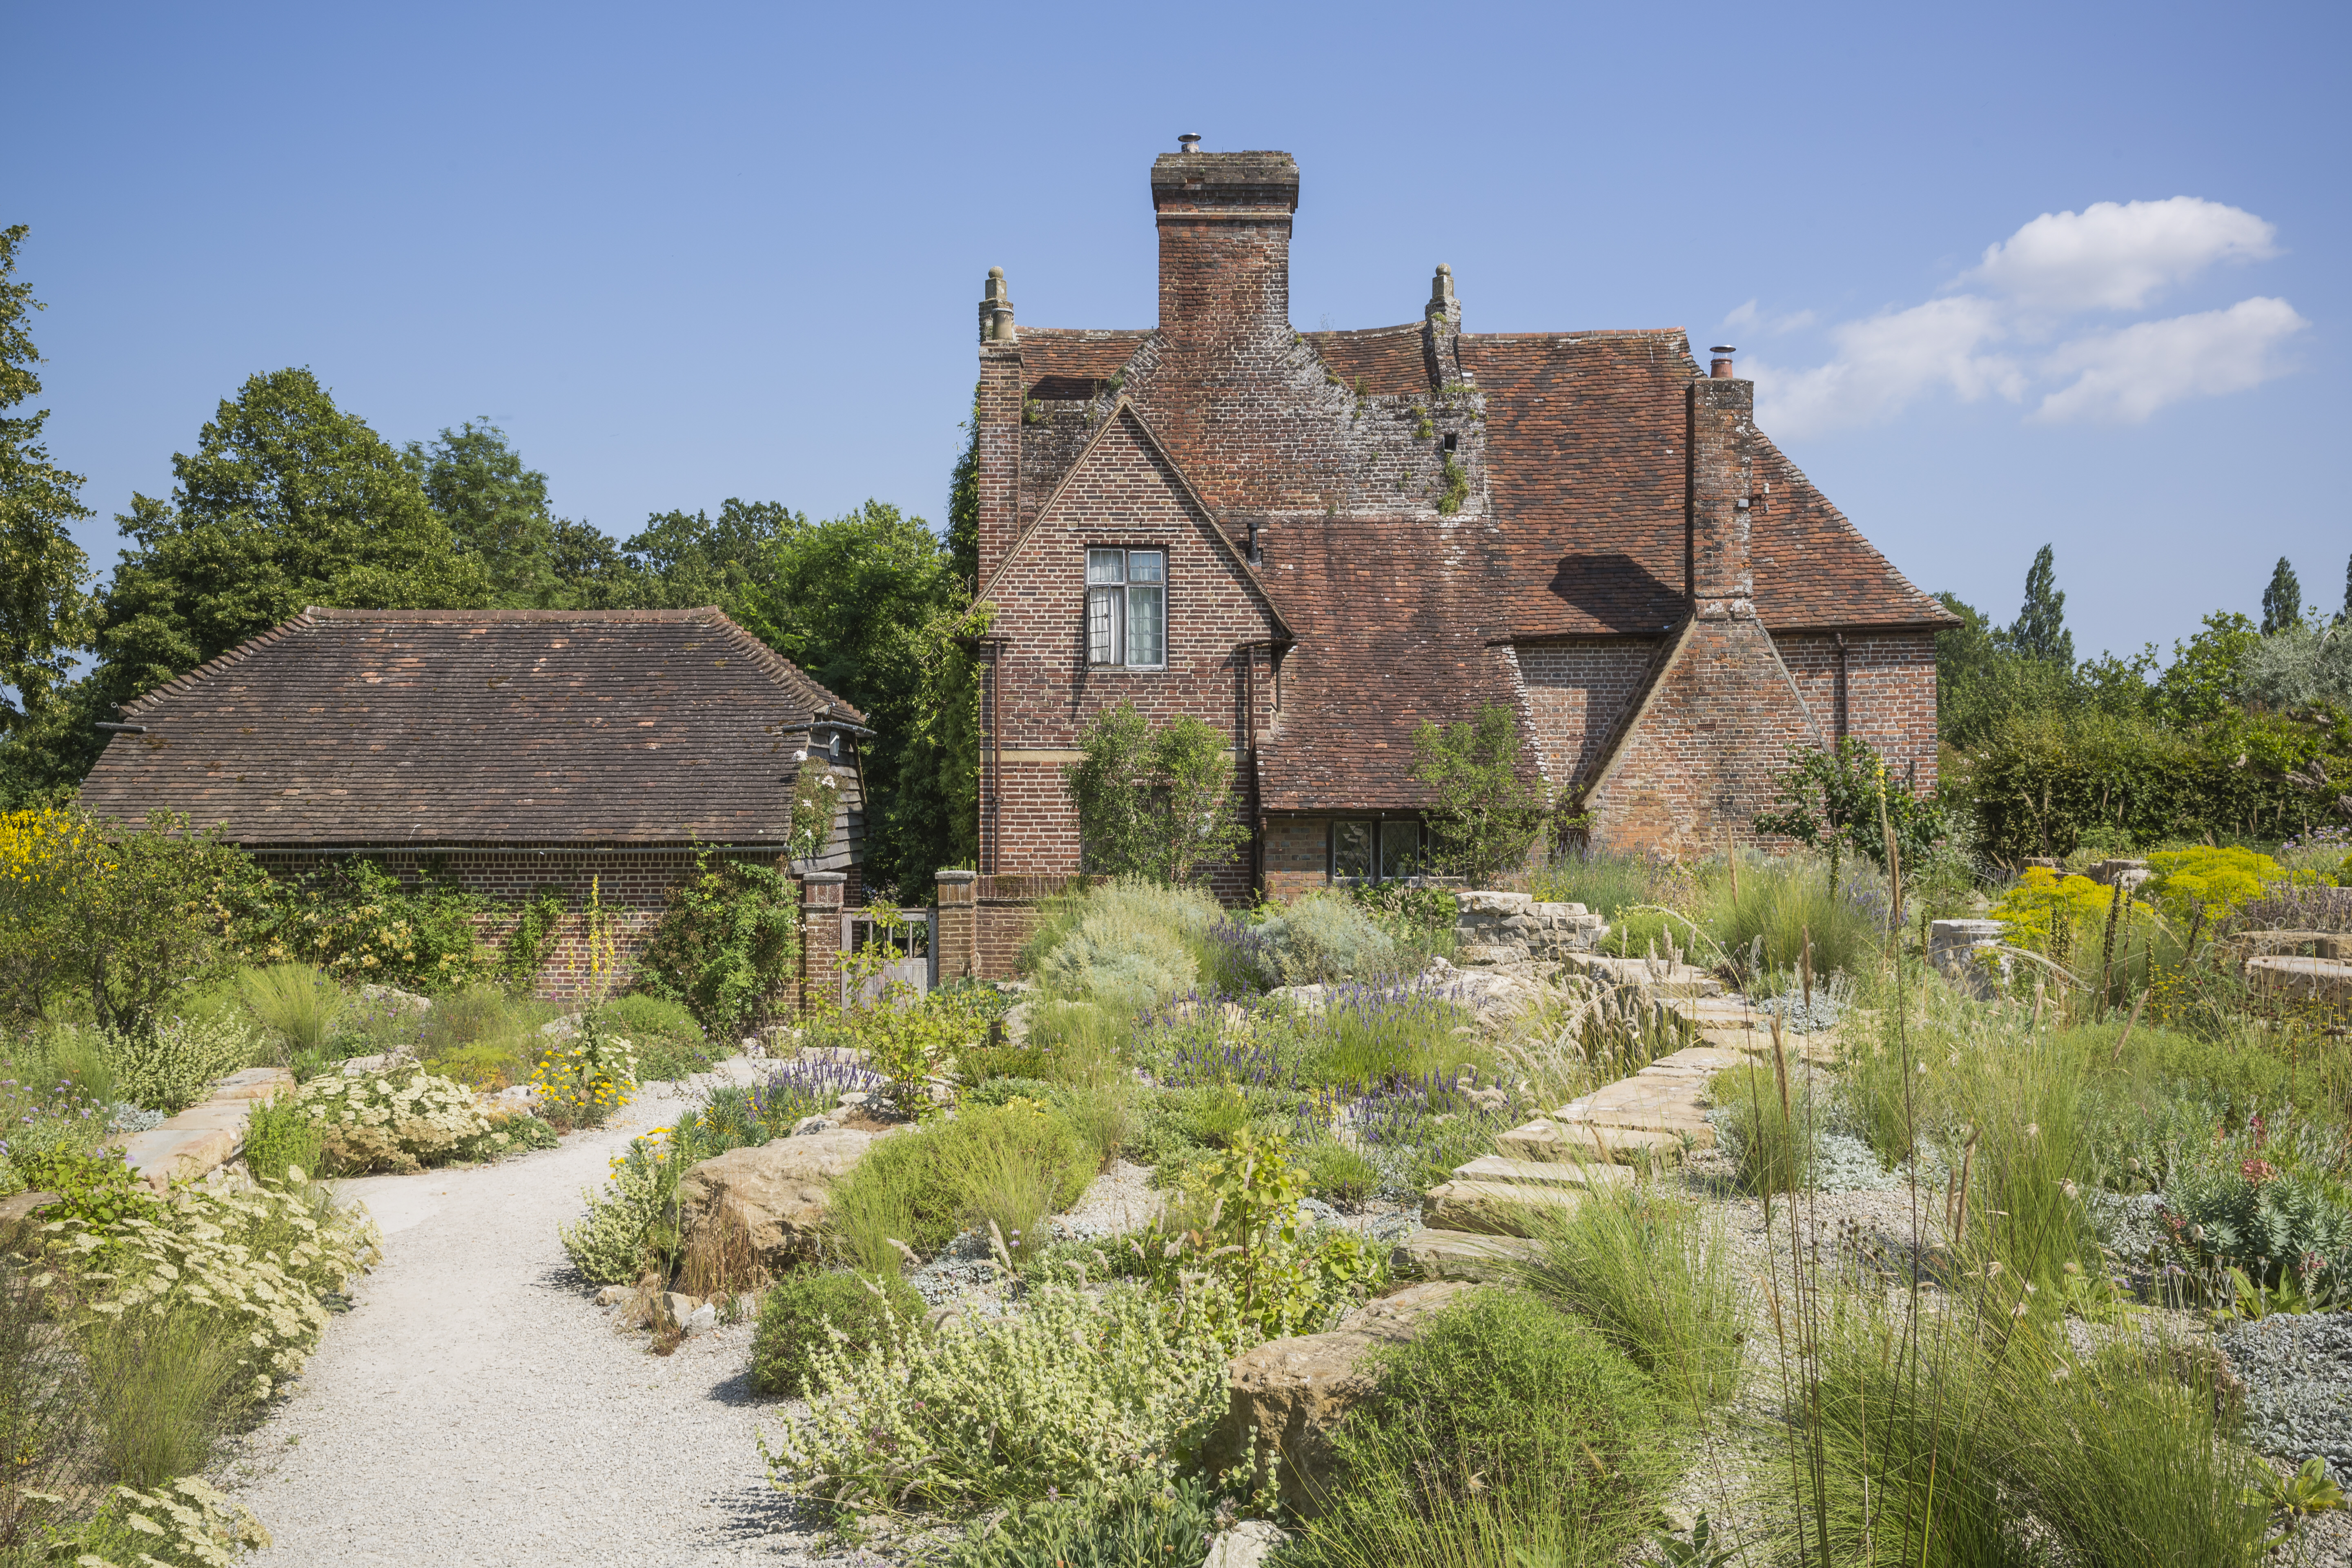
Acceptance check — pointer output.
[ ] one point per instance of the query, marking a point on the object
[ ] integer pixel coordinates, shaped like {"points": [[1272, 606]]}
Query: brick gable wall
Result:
{"points": [[1123, 493], [1698, 761]]}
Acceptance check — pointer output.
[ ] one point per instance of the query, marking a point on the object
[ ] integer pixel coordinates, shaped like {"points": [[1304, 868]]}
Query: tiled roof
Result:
{"points": [[349, 728], [1061, 364], [1376, 362], [1386, 613], [1584, 451]]}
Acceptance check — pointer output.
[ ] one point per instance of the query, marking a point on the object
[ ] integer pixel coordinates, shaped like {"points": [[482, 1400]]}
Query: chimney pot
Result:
{"points": [[1190, 141], [1719, 367]]}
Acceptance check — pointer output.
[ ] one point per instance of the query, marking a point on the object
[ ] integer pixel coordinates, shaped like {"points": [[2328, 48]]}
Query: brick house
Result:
{"points": [[1318, 541], [507, 750]]}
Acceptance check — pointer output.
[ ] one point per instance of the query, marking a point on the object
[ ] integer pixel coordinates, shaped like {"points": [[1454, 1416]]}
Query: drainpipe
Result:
{"points": [[1840, 689]]}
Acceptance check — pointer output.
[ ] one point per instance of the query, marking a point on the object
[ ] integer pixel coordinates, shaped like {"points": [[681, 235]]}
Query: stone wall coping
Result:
{"points": [[825, 877], [958, 876]]}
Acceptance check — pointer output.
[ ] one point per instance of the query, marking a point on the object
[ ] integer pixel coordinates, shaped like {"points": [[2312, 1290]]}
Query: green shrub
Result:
{"points": [[175, 1066], [728, 937], [1507, 1434], [1012, 1163], [1770, 1133], [1141, 1523], [1323, 938], [670, 1044], [1338, 1173], [1074, 1390], [802, 1312], [279, 1135], [480, 1064], [97, 1191], [1127, 945], [1655, 1279], [1605, 884], [294, 1001]]}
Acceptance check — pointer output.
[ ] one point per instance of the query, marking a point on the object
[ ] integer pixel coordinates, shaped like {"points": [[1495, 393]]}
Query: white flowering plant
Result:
{"points": [[172, 1066], [609, 1245], [187, 1524], [1078, 1389], [261, 1256], [403, 1119]]}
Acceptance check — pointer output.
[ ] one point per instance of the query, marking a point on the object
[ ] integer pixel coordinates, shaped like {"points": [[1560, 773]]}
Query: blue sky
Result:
{"points": [[691, 252]]}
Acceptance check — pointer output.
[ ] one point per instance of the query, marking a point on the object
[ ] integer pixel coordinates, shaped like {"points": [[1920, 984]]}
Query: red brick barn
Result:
{"points": [[512, 750], [1319, 541]]}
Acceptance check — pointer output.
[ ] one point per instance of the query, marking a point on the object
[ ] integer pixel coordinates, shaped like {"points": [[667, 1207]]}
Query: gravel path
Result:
{"points": [[476, 1410]]}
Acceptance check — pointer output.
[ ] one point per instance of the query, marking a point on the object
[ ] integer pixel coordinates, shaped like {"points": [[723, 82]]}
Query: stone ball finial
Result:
{"points": [[996, 272]]}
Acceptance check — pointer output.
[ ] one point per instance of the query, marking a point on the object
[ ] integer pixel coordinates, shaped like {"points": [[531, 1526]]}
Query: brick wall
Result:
{"points": [[1889, 694], [631, 889], [1297, 855], [1576, 693], [1699, 762]]}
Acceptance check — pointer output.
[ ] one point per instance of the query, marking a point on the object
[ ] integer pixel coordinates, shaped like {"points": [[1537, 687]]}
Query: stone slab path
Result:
{"points": [[476, 1409]]}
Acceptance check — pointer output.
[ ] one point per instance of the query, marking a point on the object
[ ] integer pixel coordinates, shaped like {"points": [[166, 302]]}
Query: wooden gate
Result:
{"points": [[913, 957]]}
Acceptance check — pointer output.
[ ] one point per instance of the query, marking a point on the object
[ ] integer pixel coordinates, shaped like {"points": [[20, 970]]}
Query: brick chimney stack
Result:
{"points": [[1224, 242], [1720, 487]]}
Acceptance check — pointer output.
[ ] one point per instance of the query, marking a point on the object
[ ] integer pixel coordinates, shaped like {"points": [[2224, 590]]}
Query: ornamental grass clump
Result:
{"points": [[1078, 1389], [1505, 1435], [403, 1119]]}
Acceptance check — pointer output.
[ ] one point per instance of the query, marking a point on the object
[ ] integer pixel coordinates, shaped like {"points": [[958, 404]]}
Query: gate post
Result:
{"points": [[955, 940], [821, 940]]}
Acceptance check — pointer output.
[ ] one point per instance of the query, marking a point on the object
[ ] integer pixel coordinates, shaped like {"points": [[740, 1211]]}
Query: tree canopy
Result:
{"points": [[45, 602], [2040, 629], [287, 501]]}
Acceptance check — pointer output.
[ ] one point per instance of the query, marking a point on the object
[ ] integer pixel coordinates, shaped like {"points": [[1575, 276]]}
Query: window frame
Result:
{"points": [[1376, 828], [1121, 634]]}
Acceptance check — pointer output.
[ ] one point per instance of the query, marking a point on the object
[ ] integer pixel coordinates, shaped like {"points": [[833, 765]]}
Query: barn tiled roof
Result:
{"points": [[1584, 438], [1387, 616], [383, 728], [1376, 362]]}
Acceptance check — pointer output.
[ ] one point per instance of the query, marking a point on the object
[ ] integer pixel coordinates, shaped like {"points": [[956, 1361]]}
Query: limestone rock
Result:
{"points": [[1246, 1545], [393, 1000], [702, 1319], [675, 1312], [1289, 1394], [20, 1215], [614, 1296], [778, 1190], [1461, 1255]]}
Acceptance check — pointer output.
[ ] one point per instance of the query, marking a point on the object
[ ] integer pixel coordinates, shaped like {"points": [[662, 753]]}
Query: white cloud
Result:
{"points": [[2122, 377], [2118, 256], [1749, 318], [1993, 338], [1888, 359]]}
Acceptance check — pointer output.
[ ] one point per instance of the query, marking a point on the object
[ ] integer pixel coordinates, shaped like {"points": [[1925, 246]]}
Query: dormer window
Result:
{"points": [[1127, 609]]}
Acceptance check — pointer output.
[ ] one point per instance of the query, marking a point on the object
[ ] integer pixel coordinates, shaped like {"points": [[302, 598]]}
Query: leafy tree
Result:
{"points": [[496, 508], [2282, 600], [1488, 815], [681, 560], [2346, 613], [46, 609], [2301, 666], [1830, 798], [963, 507], [2201, 683], [287, 502], [2040, 629], [1154, 803], [852, 600], [934, 817]]}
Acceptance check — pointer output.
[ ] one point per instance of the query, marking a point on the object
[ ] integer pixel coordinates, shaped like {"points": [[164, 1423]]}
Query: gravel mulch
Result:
{"points": [[476, 1409]]}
